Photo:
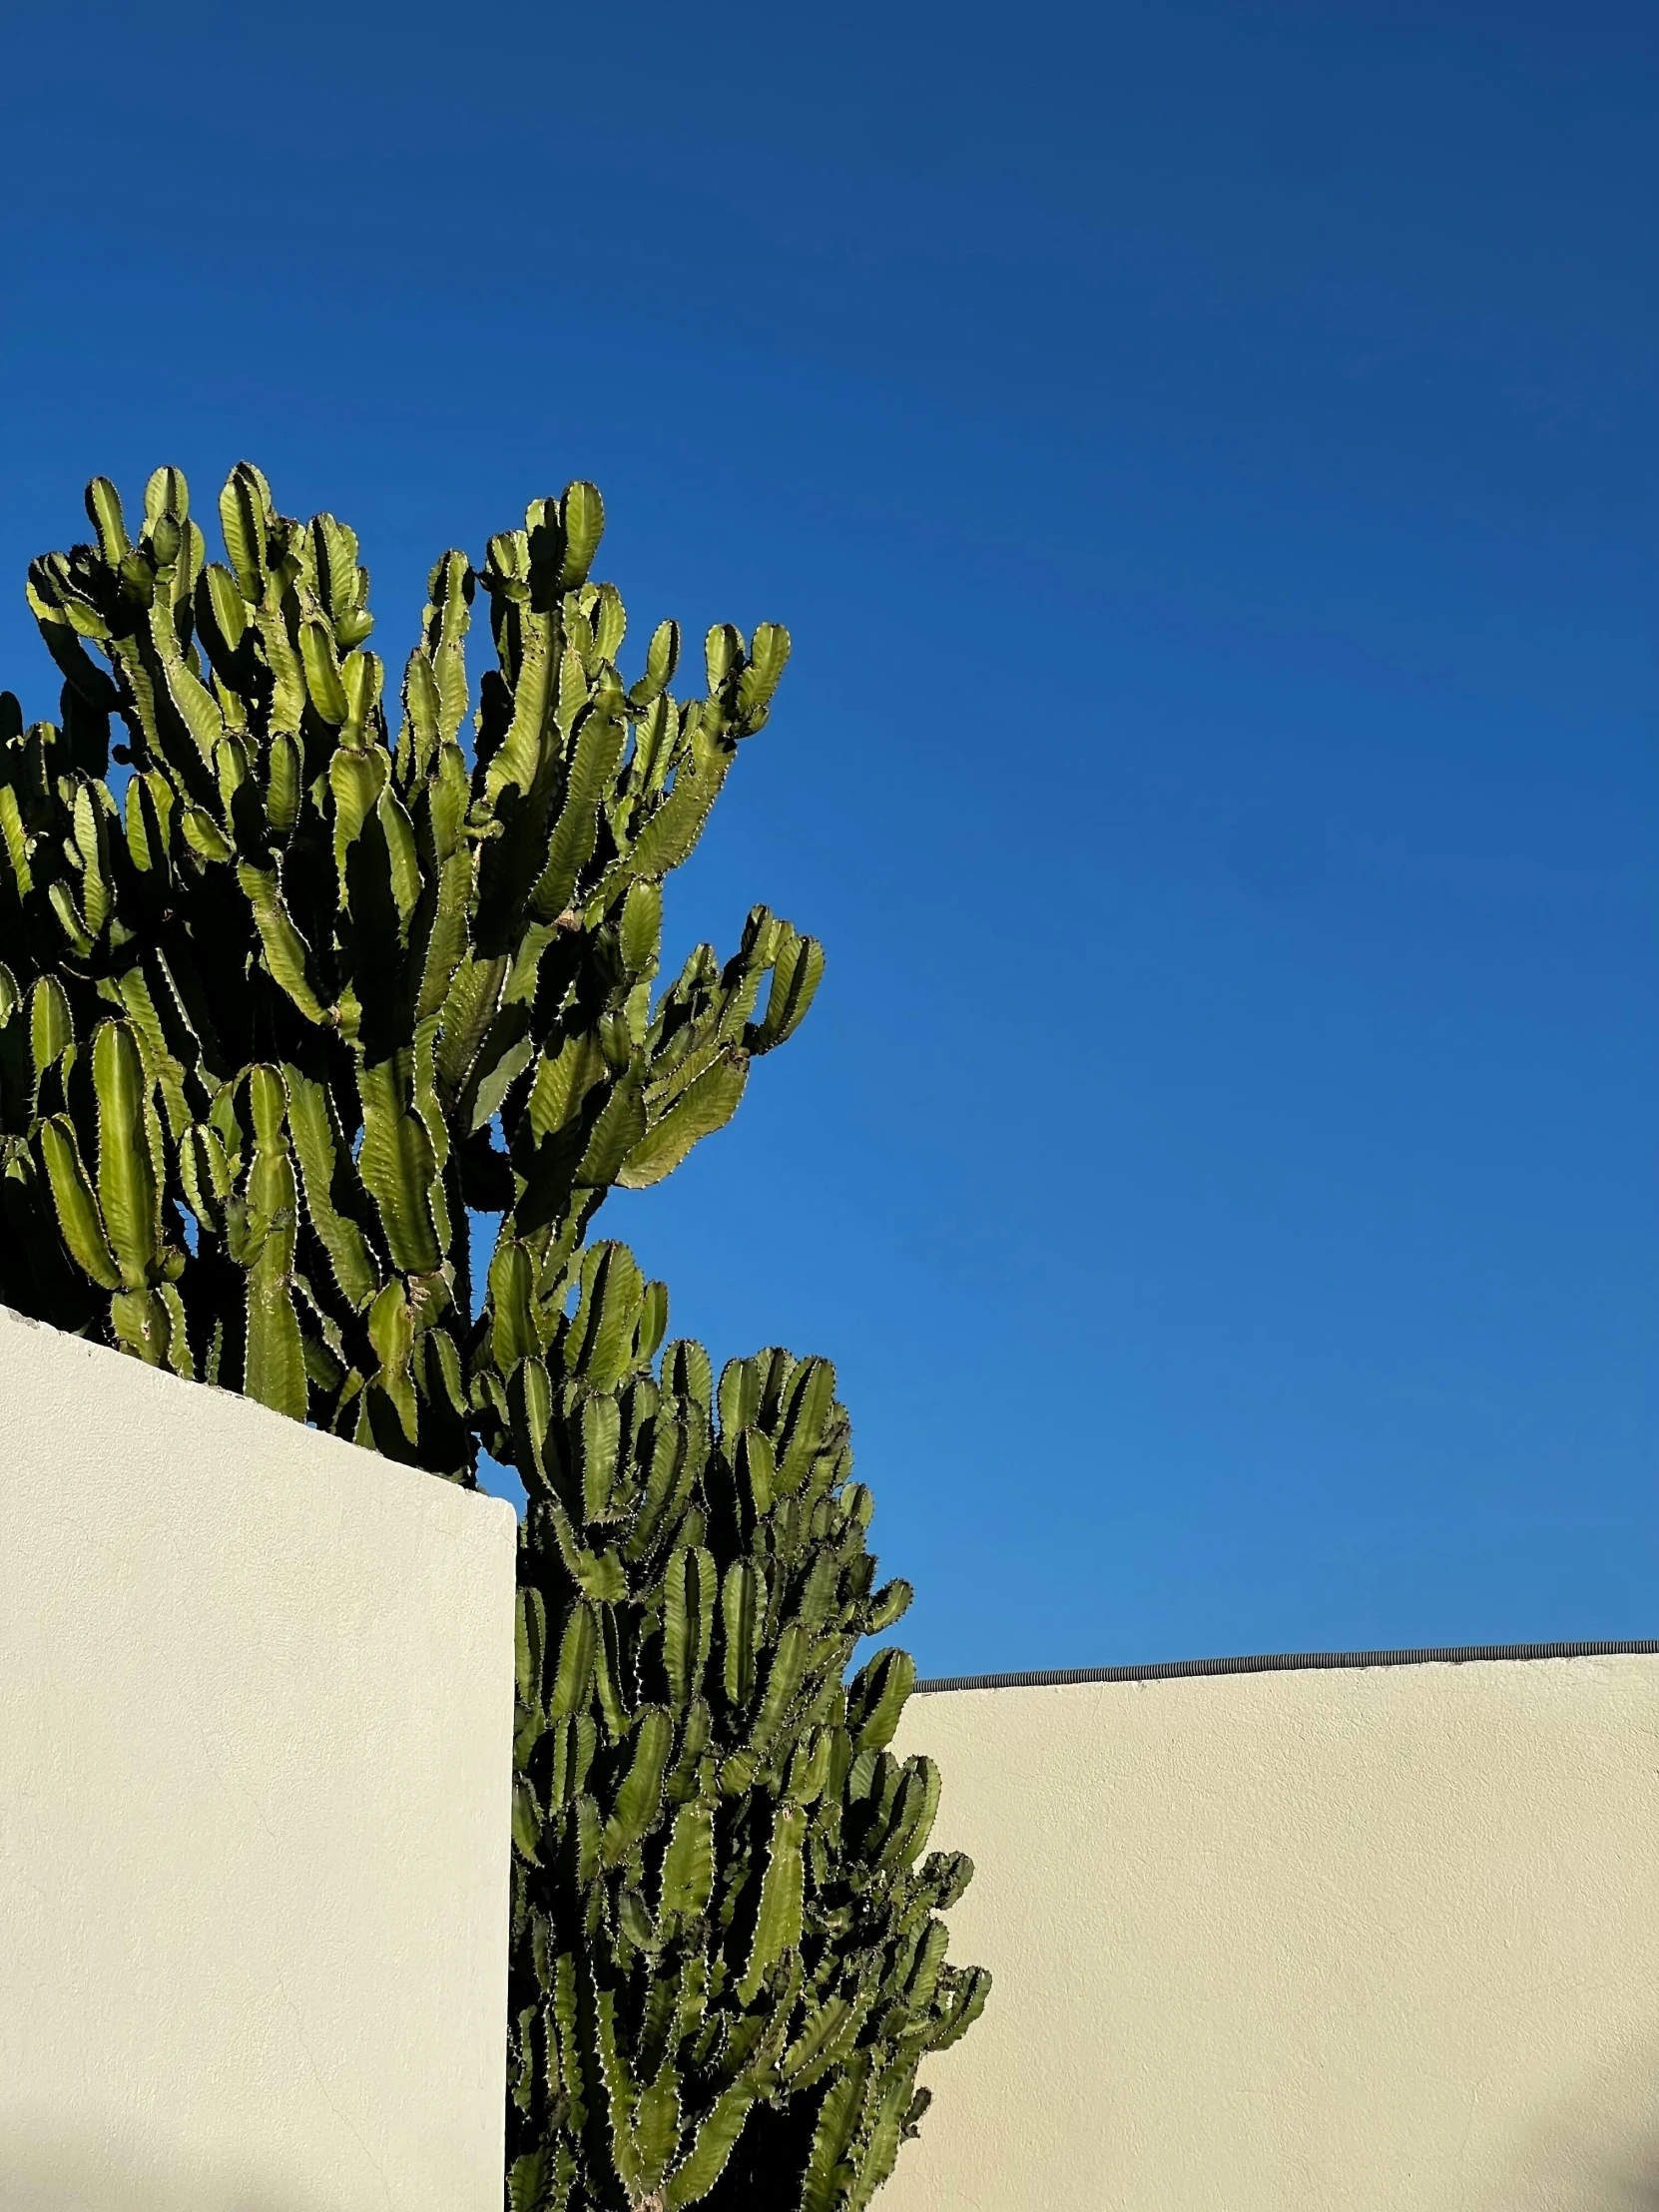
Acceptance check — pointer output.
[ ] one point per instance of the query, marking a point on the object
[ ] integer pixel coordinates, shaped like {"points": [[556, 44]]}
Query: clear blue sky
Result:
{"points": [[1208, 457]]}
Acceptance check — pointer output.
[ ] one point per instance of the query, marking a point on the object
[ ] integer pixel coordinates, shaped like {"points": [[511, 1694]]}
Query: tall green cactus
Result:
{"points": [[727, 1960], [282, 1008], [361, 983]]}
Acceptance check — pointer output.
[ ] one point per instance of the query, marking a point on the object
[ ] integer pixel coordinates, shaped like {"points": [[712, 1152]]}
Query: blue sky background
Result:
{"points": [[1208, 458]]}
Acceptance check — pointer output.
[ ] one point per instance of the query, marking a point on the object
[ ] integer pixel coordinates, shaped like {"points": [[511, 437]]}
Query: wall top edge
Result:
{"points": [[114, 1391], [1286, 1662]]}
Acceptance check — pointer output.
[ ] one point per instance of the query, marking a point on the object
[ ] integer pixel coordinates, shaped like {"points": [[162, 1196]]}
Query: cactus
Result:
{"points": [[283, 1006], [727, 1957], [310, 990]]}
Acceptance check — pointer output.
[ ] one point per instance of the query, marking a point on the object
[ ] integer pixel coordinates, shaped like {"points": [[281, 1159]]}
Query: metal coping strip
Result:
{"points": [[1285, 1662]]}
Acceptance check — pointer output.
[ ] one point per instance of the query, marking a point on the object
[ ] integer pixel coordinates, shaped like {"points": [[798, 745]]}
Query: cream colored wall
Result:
{"points": [[255, 1749], [1370, 1940]]}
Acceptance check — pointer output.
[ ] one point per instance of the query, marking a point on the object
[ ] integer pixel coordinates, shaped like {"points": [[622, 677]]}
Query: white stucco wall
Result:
{"points": [[255, 1762], [1379, 1941]]}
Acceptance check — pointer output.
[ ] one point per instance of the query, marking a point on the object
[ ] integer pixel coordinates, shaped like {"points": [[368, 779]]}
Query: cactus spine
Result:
{"points": [[284, 1005]]}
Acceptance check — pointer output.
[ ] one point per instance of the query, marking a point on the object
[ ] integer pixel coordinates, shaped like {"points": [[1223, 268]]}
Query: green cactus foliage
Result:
{"points": [[319, 977], [727, 1960], [290, 995]]}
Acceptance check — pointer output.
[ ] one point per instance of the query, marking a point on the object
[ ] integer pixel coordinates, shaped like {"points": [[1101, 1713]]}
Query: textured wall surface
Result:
{"points": [[1383, 1940], [255, 1705]]}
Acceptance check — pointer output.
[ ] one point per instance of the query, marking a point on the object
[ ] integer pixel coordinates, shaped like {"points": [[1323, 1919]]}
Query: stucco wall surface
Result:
{"points": [[1372, 1941], [255, 1707]]}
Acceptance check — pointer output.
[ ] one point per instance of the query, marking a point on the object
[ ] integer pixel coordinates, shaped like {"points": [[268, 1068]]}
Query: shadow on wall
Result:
{"points": [[1638, 2194], [42, 2170], [1594, 2146], [1631, 2186]]}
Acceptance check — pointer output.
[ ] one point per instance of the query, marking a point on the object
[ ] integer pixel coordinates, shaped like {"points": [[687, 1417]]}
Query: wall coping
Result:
{"points": [[1286, 1662]]}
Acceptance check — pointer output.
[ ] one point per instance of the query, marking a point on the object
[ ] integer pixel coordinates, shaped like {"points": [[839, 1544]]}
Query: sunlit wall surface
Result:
{"points": [[1370, 1940], [256, 1709]]}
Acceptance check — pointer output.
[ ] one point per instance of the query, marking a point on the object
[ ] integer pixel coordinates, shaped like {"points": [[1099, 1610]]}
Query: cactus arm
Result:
{"points": [[129, 1185], [275, 1371], [689, 1864], [705, 1106], [332, 1194], [778, 1923], [76, 1204], [711, 2147], [398, 1165]]}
